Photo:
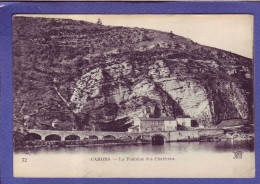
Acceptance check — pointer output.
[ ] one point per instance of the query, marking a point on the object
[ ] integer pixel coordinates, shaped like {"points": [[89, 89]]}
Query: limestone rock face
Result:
{"points": [[87, 87], [191, 97], [87, 76]]}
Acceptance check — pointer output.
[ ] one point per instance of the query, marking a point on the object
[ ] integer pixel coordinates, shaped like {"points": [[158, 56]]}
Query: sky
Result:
{"points": [[230, 32]]}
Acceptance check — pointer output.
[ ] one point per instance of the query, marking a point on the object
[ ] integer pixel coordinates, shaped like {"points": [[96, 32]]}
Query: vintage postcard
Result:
{"points": [[133, 96]]}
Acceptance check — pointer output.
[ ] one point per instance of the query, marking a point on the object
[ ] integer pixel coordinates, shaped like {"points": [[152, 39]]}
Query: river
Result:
{"points": [[175, 159]]}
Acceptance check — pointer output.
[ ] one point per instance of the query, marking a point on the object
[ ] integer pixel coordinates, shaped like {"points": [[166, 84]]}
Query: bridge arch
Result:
{"points": [[158, 139], [72, 137], [127, 137], [93, 137], [109, 137], [33, 136], [53, 137]]}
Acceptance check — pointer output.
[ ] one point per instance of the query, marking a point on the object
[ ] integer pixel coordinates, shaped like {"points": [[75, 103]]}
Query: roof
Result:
{"points": [[157, 119], [232, 122]]}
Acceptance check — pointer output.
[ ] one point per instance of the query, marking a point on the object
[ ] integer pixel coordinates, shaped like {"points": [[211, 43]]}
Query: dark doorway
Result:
{"points": [[52, 137], [32, 137], [72, 137], [157, 140]]}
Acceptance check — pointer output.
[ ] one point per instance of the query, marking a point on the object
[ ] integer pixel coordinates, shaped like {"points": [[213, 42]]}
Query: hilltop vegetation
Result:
{"points": [[70, 74]]}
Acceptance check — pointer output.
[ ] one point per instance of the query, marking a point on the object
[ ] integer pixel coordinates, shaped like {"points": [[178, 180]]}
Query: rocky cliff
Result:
{"points": [[71, 74]]}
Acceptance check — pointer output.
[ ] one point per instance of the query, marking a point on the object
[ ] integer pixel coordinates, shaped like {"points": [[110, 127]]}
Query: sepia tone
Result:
{"points": [[98, 95]]}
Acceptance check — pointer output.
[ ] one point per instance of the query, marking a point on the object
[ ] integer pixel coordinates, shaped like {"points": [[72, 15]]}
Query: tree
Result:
{"points": [[157, 112], [99, 22], [171, 34]]}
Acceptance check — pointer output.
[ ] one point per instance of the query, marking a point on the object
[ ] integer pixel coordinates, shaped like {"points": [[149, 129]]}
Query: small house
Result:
{"points": [[184, 121], [145, 124], [151, 124]]}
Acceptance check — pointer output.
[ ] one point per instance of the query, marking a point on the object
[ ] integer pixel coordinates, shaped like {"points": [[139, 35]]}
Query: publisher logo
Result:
{"points": [[238, 154]]}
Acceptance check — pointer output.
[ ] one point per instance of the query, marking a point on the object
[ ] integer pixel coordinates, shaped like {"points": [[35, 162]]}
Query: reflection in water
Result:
{"points": [[235, 145], [167, 148]]}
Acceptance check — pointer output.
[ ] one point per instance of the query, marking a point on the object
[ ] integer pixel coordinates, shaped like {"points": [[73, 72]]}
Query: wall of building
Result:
{"points": [[150, 126], [184, 135], [209, 132], [137, 122], [130, 130], [133, 130], [184, 122], [170, 125]]}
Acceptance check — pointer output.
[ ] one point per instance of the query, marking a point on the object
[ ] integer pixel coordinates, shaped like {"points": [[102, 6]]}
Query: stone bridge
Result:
{"points": [[165, 136], [79, 135]]}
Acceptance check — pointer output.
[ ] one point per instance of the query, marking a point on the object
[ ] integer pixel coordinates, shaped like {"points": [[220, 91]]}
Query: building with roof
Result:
{"points": [[145, 124], [150, 124], [184, 121]]}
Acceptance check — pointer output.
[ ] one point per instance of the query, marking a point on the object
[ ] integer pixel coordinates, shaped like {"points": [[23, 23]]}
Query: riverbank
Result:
{"points": [[78, 143]]}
